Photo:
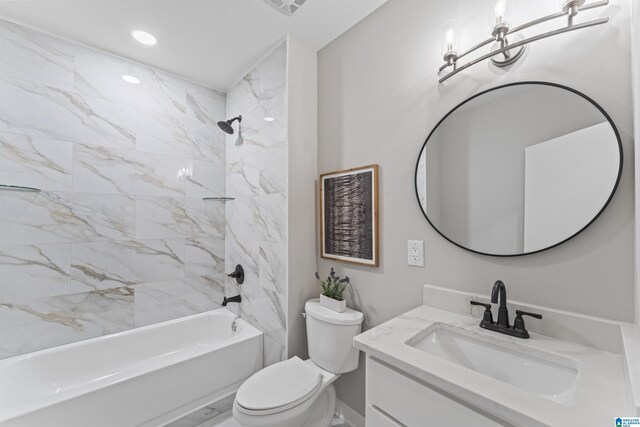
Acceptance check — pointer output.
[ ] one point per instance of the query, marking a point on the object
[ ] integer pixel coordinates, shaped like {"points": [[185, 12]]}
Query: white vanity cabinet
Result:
{"points": [[395, 399]]}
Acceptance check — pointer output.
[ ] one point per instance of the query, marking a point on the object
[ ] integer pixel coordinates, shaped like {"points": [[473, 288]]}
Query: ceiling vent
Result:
{"points": [[288, 7]]}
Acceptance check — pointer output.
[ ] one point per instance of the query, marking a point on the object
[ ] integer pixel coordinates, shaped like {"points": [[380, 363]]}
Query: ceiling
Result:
{"points": [[214, 42]]}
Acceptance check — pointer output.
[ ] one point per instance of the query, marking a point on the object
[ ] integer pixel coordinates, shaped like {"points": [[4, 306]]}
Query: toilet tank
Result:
{"points": [[330, 337]]}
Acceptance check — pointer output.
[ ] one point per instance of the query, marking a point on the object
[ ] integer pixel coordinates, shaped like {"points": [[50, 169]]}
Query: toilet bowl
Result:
{"points": [[307, 397], [297, 393]]}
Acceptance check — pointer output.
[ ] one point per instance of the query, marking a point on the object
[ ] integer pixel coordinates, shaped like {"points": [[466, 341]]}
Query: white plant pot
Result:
{"points": [[333, 304]]}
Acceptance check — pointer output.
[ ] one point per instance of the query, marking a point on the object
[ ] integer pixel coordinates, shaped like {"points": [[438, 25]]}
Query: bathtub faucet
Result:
{"points": [[226, 301]]}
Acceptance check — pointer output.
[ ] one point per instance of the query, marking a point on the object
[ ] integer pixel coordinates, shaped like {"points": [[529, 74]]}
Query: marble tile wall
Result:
{"points": [[256, 221], [120, 236]]}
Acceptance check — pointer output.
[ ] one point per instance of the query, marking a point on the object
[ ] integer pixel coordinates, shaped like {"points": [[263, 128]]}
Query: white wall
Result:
{"points": [[560, 200], [378, 100]]}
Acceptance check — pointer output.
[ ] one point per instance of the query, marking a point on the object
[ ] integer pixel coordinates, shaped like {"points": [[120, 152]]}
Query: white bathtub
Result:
{"points": [[148, 376]]}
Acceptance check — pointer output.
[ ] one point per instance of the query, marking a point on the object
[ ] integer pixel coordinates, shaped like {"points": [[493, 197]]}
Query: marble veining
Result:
{"points": [[178, 217], [204, 257], [33, 56], [204, 179], [120, 236], [117, 171], [256, 227], [35, 162], [111, 264], [99, 74], [179, 136], [34, 271], [166, 300], [205, 104], [50, 217], [46, 111], [110, 308]]}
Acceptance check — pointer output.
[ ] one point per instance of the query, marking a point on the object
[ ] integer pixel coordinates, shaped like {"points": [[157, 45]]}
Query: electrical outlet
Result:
{"points": [[415, 253]]}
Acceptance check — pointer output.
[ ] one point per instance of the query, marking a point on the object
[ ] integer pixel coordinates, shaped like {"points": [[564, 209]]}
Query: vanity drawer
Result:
{"points": [[415, 404]]}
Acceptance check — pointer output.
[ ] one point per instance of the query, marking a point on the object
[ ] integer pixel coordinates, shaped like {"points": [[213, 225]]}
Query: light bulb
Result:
{"points": [[451, 38], [500, 10]]}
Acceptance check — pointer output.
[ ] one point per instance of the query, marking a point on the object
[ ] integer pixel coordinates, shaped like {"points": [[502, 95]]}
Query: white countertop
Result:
{"points": [[602, 391]]}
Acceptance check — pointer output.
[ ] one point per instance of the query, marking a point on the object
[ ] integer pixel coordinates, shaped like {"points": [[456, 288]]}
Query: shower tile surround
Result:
{"points": [[256, 221], [120, 236]]}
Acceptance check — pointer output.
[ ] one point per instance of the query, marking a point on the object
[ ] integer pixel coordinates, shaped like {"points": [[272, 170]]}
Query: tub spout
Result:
{"points": [[226, 300]]}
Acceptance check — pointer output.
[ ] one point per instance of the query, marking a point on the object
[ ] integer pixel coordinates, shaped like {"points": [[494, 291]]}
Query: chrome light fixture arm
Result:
{"points": [[500, 35]]}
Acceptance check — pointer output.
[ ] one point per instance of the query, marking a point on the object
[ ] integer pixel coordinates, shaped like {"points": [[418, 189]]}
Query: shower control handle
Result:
{"points": [[238, 274]]}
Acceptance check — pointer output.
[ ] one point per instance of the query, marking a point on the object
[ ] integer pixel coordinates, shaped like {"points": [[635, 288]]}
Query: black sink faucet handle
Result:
{"points": [[521, 313], [486, 306], [487, 317], [518, 324]]}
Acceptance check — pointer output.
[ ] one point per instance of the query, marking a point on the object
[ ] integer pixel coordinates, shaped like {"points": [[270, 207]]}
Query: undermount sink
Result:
{"points": [[546, 374]]}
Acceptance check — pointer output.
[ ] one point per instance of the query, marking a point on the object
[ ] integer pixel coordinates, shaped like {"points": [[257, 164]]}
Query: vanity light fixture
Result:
{"points": [[499, 33], [508, 45], [268, 119], [451, 42], [131, 79], [144, 37]]}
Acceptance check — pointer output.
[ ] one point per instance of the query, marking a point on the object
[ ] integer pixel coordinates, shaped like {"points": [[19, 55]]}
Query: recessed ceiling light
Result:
{"points": [[268, 119], [144, 37], [131, 79]]}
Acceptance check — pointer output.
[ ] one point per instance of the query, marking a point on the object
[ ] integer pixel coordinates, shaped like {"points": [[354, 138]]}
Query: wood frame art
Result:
{"points": [[349, 228]]}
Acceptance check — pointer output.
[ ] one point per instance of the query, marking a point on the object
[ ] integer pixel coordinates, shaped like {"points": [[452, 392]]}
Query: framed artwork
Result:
{"points": [[349, 215]]}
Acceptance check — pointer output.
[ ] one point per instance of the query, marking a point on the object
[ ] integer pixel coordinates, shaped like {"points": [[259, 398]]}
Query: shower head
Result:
{"points": [[226, 125]]}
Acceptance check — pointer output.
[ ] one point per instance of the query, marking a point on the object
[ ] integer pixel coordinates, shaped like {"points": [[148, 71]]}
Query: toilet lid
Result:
{"points": [[287, 383]]}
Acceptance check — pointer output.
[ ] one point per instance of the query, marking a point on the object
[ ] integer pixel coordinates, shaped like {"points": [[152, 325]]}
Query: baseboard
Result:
{"points": [[349, 415]]}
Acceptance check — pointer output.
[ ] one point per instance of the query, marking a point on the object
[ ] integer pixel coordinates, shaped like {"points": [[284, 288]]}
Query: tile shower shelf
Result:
{"points": [[220, 199], [19, 188]]}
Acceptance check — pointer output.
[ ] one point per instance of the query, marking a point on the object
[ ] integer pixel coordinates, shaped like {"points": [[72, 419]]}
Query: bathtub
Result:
{"points": [[148, 376]]}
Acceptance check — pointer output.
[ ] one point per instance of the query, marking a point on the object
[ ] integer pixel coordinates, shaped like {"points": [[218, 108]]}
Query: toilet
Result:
{"points": [[300, 393]]}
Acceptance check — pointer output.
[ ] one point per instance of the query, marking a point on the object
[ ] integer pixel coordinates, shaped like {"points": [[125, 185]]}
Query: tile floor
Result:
{"points": [[228, 422]]}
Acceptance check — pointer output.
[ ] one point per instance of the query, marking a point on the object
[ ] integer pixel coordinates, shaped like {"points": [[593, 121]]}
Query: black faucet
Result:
{"points": [[503, 313], [226, 300], [502, 325]]}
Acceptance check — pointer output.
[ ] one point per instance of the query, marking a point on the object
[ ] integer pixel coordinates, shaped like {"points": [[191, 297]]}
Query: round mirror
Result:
{"points": [[518, 169]]}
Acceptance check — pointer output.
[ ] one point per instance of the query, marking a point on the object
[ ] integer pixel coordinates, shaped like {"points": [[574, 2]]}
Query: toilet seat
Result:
{"points": [[279, 387]]}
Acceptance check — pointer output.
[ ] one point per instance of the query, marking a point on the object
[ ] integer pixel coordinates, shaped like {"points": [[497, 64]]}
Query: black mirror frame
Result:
{"points": [[595, 104]]}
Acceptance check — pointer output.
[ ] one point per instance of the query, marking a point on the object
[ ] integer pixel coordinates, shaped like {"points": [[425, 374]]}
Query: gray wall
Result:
{"points": [[379, 98], [635, 49], [302, 80]]}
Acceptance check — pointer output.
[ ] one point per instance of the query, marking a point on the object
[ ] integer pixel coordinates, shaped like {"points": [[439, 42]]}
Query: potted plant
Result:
{"points": [[333, 288]]}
